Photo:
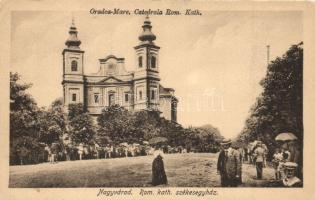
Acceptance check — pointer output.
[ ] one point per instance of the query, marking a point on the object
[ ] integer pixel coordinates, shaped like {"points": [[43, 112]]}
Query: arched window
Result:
{"points": [[111, 99], [153, 62], [140, 61], [74, 66]]}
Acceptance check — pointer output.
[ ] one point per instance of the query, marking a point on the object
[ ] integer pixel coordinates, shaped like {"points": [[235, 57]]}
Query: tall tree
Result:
{"points": [[147, 124], [23, 122], [81, 124], [116, 123], [280, 106], [52, 123]]}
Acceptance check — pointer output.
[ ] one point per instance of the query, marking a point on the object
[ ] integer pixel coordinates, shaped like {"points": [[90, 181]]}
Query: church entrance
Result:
{"points": [[111, 99]]}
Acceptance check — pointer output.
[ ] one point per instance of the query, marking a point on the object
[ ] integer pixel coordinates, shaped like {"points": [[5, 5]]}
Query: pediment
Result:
{"points": [[110, 79], [103, 60]]}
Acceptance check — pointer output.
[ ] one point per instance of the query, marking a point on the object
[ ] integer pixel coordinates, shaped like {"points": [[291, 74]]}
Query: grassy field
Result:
{"points": [[182, 170]]}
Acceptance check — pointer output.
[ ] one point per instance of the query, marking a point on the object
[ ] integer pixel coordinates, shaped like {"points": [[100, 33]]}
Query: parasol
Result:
{"points": [[286, 137], [157, 140], [124, 144]]}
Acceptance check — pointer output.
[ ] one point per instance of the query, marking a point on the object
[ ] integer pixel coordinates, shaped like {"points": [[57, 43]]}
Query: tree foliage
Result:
{"points": [[279, 107], [116, 125], [52, 123], [203, 139], [147, 124], [81, 127], [24, 124]]}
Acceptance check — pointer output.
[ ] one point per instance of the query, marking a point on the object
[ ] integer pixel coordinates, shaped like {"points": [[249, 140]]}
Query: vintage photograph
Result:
{"points": [[113, 97]]}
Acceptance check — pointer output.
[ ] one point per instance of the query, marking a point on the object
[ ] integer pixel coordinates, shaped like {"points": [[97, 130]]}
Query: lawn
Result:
{"points": [[182, 170]]}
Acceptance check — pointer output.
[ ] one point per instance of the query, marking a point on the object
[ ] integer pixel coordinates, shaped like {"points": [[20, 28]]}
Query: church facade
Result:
{"points": [[112, 84]]}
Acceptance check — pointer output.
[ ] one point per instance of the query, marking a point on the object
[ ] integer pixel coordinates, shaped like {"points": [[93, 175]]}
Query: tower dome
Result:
{"points": [[147, 35], [73, 41]]}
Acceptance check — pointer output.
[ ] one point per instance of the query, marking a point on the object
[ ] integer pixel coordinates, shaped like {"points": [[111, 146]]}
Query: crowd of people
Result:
{"points": [[55, 152], [229, 165], [231, 157]]}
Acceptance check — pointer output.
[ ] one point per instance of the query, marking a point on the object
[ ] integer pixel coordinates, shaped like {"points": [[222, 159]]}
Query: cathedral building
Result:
{"points": [[112, 84]]}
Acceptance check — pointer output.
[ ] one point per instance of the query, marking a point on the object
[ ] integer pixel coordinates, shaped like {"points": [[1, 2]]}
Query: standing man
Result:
{"points": [[266, 153], [240, 151], [67, 152], [228, 165], [48, 151], [81, 150], [54, 152], [259, 154]]}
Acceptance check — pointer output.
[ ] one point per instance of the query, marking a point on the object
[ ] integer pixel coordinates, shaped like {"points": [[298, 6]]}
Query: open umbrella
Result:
{"points": [[157, 140], [286, 137], [124, 144]]}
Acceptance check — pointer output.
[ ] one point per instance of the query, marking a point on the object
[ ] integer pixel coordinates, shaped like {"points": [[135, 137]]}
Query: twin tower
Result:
{"points": [[112, 84]]}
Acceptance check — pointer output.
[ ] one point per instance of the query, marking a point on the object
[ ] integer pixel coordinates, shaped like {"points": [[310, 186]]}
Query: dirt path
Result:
{"points": [[183, 170]]}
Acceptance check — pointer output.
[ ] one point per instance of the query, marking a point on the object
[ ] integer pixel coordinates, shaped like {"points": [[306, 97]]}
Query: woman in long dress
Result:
{"points": [[158, 171]]}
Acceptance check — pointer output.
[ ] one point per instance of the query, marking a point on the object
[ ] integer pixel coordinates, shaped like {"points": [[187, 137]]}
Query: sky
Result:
{"points": [[214, 61]]}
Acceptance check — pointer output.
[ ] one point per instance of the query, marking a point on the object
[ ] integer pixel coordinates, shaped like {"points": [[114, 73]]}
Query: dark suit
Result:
{"points": [[229, 167]]}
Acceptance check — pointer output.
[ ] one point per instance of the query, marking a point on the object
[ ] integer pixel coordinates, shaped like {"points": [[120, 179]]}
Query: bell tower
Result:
{"points": [[146, 76], [73, 73]]}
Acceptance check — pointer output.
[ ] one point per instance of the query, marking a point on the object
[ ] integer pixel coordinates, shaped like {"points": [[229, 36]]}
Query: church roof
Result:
{"points": [[166, 91]]}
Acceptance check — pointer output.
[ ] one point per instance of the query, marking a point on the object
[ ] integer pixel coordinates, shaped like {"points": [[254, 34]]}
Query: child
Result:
{"points": [[290, 179], [281, 164], [277, 157]]}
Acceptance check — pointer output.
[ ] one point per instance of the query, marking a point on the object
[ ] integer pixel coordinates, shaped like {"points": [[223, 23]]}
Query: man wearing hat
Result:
{"points": [[290, 179], [228, 165]]}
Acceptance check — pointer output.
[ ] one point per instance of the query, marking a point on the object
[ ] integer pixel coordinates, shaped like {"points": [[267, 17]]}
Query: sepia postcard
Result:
{"points": [[157, 99]]}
